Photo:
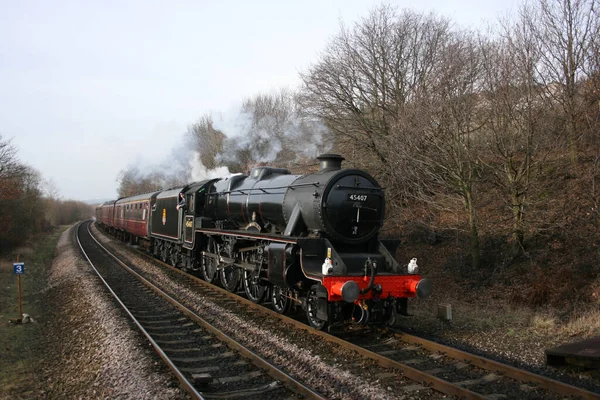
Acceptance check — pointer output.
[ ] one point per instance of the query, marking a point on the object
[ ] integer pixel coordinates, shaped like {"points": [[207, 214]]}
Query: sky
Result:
{"points": [[88, 88]]}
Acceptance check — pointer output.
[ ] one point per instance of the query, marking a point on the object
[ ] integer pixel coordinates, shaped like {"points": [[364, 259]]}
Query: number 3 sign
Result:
{"points": [[19, 268]]}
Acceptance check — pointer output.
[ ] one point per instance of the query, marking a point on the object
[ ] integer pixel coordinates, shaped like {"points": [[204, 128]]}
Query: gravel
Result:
{"points": [[331, 371], [91, 351]]}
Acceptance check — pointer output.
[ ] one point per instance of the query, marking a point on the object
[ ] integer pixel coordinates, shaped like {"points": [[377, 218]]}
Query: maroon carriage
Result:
{"points": [[131, 214]]}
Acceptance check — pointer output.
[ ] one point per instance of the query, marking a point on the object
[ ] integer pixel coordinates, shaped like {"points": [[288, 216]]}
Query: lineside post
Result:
{"points": [[19, 269]]}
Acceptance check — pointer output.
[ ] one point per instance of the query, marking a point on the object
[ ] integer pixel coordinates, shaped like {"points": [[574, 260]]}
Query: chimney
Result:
{"points": [[330, 162]]}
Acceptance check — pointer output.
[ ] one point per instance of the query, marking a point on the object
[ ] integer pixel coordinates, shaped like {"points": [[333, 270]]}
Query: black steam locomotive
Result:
{"points": [[306, 240]]}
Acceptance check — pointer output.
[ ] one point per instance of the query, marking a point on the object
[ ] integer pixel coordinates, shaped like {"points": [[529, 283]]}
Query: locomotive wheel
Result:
{"points": [[254, 290], [281, 303], [164, 252], [230, 278], [210, 264], [312, 304], [174, 257]]}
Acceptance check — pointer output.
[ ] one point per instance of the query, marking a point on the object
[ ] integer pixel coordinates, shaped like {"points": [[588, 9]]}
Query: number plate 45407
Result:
{"points": [[358, 197]]}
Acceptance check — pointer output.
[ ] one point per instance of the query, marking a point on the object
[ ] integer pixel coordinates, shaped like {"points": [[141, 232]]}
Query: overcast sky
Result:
{"points": [[90, 87]]}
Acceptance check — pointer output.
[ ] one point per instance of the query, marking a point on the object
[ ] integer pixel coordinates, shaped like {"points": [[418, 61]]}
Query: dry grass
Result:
{"points": [[584, 324], [478, 317], [484, 313], [543, 323]]}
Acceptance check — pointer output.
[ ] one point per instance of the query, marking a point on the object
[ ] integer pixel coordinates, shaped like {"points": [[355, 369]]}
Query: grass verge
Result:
{"points": [[20, 345]]}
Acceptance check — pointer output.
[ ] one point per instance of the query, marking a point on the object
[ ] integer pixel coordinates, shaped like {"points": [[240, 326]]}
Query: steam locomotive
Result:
{"points": [[308, 241]]}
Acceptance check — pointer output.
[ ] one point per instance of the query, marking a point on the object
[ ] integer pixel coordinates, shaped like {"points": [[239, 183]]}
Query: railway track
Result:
{"points": [[428, 364], [487, 379], [208, 363]]}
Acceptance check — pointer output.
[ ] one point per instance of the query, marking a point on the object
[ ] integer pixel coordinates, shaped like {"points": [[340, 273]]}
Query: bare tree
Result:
{"points": [[70, 211], [132, 182], [207, 141], [51, 194], [9, 163], [11, 172], [592, 110], [22, 210], [366, 77], [445, 155], [31, 213], [520, 116], [564, 30]]}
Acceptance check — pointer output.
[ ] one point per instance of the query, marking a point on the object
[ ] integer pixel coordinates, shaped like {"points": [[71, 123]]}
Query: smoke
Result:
{"points": [[183, 165], [245, 138], [199, 172], [173, 169], [270, 129], [267, 129], [235, 124], [306, 137]]}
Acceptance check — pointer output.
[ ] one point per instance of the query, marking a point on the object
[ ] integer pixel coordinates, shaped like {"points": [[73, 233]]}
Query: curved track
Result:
{"points": [[428, 364], [199, 355]]}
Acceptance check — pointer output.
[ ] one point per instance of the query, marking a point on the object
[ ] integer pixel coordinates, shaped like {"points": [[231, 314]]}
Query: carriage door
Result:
{"points": [[188, 230]]}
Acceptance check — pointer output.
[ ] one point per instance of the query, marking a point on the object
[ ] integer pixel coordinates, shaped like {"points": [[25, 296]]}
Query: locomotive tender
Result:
{"points": [[305, 240]]}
